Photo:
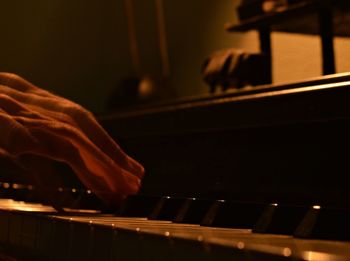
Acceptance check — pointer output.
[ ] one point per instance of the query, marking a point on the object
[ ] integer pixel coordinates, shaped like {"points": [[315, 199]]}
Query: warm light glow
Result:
{"points": [[74, 190], [200, 238], [88, 191], [90, 211], [6, 185], [240, 245], [316, 207], [10, 204], [167, 233], [287, 252], [146, 87], [274, 204], [319, 256]]}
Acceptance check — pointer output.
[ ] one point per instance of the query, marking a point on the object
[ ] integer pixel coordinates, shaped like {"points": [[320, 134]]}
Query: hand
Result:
{"points": [[36, 122]]}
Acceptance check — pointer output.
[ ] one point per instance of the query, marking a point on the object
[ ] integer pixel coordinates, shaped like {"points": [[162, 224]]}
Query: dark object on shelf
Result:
{"points": [[234, 68]]}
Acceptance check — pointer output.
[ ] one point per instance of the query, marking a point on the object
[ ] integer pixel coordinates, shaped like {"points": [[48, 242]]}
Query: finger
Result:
{"points": [[15, 108], [20, 84], [87, 122]]}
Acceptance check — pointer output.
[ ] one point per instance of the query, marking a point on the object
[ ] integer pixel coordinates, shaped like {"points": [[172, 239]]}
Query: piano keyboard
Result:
{"points": [[38, 232]]}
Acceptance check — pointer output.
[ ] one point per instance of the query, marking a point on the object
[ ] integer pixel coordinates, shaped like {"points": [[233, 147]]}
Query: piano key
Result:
{"points": [[45, 242], [134, 238], [101, 248], [325, 223], [192, 211], [81, 238], [60, 240], [15, 225], [138, 206], [166, 208], [28, 231], [280, 219], [126, 245], [224, 213]]}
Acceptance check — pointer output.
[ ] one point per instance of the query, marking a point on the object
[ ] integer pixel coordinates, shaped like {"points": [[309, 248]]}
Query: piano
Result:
{"points": [[257, 173]]}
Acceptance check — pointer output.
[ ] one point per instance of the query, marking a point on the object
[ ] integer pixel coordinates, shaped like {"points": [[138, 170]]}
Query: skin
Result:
{"points": [[38, 124]]}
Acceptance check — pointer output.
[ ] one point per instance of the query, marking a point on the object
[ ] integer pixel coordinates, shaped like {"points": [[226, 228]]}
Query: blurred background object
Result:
{"points": [[141, 88], [81, 50], [234, 68]]}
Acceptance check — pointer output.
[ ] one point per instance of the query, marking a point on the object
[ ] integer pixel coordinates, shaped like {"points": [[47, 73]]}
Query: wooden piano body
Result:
{"points": [[271, 146]]}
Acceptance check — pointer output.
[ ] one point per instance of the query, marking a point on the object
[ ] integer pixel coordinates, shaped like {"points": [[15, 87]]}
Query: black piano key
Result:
{"points": [[224, 213], [89, 200], [192, 211], [166, 208], [138, 206], [325, 223], [280, 219]]}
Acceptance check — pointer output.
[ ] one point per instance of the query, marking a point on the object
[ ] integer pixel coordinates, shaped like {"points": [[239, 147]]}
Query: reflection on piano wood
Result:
{"points": [[50, 236], [254, 174]]}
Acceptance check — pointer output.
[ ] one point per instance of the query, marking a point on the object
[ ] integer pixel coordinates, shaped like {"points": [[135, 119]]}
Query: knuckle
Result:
{"points": [[10, 77]]}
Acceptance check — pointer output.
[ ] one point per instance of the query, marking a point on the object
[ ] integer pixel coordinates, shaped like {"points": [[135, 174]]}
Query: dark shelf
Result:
{"points": [[269, 19], [299, 18]]}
